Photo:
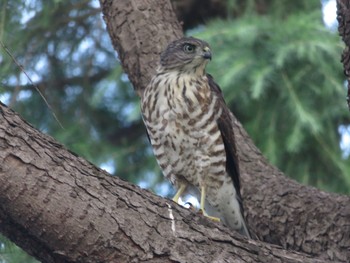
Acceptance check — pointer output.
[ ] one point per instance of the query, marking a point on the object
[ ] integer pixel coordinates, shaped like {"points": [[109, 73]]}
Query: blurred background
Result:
{"points": [[277, 62]]}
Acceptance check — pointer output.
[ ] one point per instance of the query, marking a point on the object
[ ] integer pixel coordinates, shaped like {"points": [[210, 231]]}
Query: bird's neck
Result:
{"points": [[194, 72], [182, 89]]}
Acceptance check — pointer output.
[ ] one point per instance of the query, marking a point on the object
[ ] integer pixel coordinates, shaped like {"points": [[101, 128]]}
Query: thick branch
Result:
{"points": [[343, 17], [60, 208], [139, 51], [279, 210]]}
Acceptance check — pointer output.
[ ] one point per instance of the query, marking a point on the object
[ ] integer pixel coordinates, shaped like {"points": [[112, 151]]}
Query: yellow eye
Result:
{"points": [[188, 48]]}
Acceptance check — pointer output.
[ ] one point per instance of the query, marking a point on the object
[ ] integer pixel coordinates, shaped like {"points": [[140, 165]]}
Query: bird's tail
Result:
{"points": [[231, 213], [240, 227], [244, 229]]}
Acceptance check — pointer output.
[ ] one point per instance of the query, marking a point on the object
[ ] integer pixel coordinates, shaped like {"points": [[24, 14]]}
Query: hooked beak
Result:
{"points": [[206, 53]]}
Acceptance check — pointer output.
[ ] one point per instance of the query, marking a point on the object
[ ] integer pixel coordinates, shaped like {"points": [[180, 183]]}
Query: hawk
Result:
{"points": [[189, 127]]}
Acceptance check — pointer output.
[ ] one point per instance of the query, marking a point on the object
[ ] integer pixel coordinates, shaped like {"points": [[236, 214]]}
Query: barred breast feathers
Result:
{"points": [[177, 91]]}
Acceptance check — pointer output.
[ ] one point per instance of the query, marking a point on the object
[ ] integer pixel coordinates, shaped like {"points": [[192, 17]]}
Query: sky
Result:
{"points": [[329, 10]]}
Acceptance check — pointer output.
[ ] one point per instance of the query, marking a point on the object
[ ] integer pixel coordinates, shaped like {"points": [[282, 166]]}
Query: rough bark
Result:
{"points": [[343, 17], [60, 208], [139, 52], [279, 210]]}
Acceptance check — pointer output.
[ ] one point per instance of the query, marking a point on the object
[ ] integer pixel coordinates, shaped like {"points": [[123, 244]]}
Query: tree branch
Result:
{"points": [[60, 208], [139, 51], [343, 17]]}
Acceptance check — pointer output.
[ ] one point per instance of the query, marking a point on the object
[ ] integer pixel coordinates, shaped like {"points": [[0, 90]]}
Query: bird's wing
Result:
{"points": [[225, 127]]}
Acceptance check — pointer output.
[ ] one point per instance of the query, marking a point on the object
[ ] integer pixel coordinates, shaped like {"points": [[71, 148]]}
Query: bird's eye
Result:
{"points": [[188, 48]]}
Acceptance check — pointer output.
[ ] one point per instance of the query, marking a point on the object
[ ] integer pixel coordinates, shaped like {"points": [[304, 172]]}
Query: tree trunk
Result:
{"points": [[60, 208], [343, 17]]}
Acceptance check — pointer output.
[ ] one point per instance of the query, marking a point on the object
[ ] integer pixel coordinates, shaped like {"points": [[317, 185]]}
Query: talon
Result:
{"points": [[190, 206], [213, 218]]}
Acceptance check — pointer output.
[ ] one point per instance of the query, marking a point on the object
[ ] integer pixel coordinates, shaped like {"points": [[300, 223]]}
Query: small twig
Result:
{"points": [[31, 81]]}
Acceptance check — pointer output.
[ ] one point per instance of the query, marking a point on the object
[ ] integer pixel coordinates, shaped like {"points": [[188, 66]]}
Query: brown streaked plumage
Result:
{"points": [[189, 126]]}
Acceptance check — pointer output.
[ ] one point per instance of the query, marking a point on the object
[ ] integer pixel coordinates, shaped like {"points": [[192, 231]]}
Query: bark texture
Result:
{"points": [[139, 51], [343, 17], [60, 208], [279, 210]]}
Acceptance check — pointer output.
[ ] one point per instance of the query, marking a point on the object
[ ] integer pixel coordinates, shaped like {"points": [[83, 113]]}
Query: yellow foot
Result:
{"points": [[215, 219], [179, 192], [201, 210]]}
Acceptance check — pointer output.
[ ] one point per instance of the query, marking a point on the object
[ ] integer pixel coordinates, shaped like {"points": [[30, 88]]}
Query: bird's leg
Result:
{"points": [[179, 192], [203, 190]]}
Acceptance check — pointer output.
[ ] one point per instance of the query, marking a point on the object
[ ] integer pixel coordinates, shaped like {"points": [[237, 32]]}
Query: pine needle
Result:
{"points": [[31, 81]]}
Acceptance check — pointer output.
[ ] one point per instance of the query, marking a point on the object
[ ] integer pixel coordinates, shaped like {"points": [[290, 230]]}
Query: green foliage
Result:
{"points": [[65, 48], [10, 253], [284, 81]]}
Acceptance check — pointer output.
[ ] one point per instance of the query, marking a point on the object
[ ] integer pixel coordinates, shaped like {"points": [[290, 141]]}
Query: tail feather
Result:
{"points": [[241, 227], [244, 230]]}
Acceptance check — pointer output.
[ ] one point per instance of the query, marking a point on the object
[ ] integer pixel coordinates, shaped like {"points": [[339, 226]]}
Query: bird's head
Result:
{"points": [[187, 54]]}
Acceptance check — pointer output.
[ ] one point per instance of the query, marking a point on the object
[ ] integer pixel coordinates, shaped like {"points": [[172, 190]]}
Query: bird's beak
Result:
{"points": [[206, 53]]}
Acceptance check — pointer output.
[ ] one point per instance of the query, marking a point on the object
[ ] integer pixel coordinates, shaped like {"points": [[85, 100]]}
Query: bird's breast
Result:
{"points": [[181, 115]]}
